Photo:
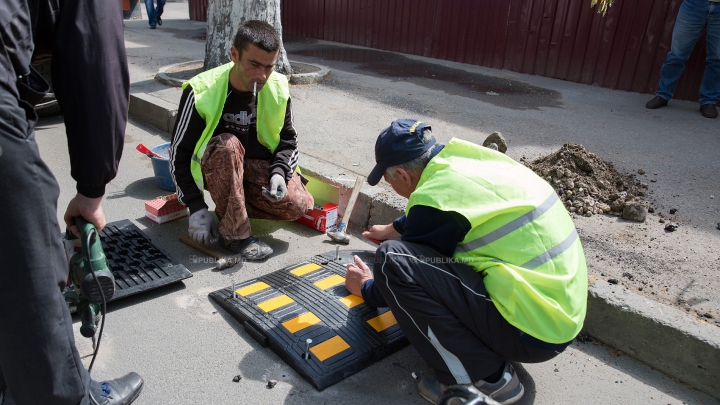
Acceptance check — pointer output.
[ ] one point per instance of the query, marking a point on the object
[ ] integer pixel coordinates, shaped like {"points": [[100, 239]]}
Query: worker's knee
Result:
{"points": [[228, 140], [390, 258], [390, 246], [295, 210], [299, 202]]}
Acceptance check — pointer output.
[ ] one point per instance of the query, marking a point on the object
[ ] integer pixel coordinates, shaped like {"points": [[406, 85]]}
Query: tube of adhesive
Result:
{"points": [[254, 89]]}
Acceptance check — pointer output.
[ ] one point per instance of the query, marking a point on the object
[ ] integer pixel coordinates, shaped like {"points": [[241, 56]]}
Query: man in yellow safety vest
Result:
{"points": [[489, 267], [234, 136]]}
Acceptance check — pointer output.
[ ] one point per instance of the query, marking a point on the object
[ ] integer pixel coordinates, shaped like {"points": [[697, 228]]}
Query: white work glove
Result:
{"points": [[202, 226], [278, 188]]}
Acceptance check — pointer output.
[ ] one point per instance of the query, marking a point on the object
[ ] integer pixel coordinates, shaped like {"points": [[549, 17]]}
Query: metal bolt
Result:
{"points": [[337, 252], [234, 293], [306, 356]]}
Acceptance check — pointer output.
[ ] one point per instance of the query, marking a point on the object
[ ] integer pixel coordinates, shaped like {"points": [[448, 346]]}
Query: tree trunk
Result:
{"points": [[223, 19]]}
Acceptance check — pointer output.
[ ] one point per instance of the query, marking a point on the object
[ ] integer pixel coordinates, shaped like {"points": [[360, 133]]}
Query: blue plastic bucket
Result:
{"points": [[161, 167]]}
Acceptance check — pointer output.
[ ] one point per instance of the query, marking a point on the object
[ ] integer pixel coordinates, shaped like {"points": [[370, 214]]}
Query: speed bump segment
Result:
{"points": [[308, 302]]}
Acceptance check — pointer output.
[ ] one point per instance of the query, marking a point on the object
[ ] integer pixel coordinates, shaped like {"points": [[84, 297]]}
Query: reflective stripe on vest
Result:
{"points": [[522, 240], [210, 89]]}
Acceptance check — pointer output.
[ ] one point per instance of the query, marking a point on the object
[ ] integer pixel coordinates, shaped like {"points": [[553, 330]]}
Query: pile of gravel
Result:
{"points": [[587, 185]]}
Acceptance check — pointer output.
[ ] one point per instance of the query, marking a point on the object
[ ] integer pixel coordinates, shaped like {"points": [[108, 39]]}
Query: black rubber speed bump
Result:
{"points": [[136, 262], [283, 309]]}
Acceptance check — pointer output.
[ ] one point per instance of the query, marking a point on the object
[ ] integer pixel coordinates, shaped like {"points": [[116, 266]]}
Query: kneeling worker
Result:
{"points": [[234, 136], [489, 268]]}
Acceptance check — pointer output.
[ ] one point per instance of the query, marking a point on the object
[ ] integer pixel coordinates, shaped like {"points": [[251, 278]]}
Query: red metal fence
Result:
{"points": [[562, 39], [198, 9]]}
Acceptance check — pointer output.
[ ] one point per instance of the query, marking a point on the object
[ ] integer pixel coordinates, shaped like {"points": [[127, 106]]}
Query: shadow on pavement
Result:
{"points": [[458, 82]]}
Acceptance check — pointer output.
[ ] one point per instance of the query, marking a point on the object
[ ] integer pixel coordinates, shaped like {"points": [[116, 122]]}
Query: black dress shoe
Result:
{"points": [[657, 102], [159, 20], [708, 110], [120, 391]]}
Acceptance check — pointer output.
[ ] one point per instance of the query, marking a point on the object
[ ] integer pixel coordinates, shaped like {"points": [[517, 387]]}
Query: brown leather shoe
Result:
{"points": [[708, 110], [657, 102]]}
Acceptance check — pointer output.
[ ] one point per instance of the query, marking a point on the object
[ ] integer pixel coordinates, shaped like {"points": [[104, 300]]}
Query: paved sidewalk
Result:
{"points": [[338, 121]]}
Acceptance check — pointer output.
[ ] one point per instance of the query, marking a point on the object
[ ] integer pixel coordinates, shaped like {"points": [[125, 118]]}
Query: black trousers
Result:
{"points": [[446, 313], [39, 363]]}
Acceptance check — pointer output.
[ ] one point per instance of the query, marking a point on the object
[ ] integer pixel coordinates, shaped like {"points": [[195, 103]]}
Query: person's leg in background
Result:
{"points": [[710, 87], [150, 9], [159, 11], [38, 358], [689, 26]]}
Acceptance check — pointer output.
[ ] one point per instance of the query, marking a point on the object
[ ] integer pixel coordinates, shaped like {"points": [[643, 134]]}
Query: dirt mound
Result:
{"points": [[587, 185]]}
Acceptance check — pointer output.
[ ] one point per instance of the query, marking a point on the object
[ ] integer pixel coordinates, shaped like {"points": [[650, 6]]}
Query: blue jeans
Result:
{"points": [[152, 12], [693, 17]]}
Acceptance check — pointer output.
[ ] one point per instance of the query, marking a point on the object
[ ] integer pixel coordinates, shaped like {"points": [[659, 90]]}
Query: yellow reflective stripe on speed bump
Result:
{"points": [[303, 270], [275, 303], [301, 322], [252, 288], [329, 348], [331, 281], [351, 301], [383, 321]]}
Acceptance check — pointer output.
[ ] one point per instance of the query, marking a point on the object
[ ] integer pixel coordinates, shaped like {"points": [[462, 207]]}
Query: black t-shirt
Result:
{"points": [[239, 118]]}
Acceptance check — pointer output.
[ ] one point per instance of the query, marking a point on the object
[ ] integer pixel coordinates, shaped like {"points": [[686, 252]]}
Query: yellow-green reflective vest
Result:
{"points": [[210, 89], [521, 238]]}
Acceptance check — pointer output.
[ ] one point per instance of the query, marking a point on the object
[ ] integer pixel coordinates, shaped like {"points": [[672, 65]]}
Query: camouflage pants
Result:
{"points": [[235, 185]]}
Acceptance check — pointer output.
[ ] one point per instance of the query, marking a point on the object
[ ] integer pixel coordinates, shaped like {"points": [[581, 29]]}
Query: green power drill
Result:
{"points": [[94, 283]]}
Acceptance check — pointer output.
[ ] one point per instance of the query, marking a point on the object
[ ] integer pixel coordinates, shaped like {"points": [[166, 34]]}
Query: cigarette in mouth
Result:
{"points": [[254, 89]]}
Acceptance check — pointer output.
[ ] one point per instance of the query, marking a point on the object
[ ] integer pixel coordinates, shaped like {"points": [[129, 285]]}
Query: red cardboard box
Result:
{"points": [[165, 209], [322, 217]]}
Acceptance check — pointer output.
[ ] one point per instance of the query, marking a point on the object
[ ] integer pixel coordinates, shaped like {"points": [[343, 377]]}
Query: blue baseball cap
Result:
{"points": [[399, 143]]}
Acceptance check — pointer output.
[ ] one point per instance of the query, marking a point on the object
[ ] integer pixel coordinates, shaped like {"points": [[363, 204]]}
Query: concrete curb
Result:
{"points": [[153, 110], [298, 78], [163, 77], [374, 204], [309, 78], [663, 337]]}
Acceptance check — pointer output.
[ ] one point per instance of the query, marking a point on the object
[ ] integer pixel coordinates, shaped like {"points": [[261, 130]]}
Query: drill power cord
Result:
{"points": [[90, 234]]}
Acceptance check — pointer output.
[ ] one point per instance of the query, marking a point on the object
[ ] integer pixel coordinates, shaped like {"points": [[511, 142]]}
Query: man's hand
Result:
{"points": [[356, 275], [381, 232], [201, 226], [278, 188], [88, 208]]}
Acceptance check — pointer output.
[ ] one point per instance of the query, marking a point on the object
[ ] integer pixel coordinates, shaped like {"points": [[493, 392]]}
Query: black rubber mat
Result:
{"points": [[137, 264], [283, 309]]}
